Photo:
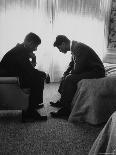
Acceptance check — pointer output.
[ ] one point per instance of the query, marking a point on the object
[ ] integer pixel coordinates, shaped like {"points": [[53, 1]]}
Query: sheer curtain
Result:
{"points": [[81, 20]]}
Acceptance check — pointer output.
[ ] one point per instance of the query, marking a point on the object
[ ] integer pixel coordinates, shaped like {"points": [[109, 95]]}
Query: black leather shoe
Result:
{"points": [[58, 104], [62, 113], [32, 116], [39, 106]]}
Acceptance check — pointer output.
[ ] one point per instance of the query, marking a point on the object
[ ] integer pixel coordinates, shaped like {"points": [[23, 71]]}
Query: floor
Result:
{"points": [[52, 137]]}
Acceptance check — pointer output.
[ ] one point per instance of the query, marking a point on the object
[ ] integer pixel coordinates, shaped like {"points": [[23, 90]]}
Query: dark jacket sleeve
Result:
{"points": [[29, 70], [25, 66], [33, 59], [80, 60], [70, 67]]}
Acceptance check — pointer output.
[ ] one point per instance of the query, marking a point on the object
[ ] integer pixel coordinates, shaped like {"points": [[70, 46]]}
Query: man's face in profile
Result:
{"points": [[33, 46], [62, 48]]}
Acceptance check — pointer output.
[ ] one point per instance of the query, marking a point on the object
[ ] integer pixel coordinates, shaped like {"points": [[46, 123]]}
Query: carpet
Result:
{"points": [[53, 137]]}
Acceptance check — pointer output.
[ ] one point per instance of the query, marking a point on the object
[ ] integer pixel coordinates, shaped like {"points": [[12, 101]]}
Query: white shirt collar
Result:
{"points": [[70, 45]]}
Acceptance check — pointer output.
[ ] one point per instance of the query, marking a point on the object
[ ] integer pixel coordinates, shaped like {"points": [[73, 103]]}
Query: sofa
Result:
{"points": [[12, 97]]}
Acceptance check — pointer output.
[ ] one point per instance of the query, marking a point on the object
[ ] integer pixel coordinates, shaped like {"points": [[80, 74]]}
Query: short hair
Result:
{"points": [[32, 37], [60, 39]]}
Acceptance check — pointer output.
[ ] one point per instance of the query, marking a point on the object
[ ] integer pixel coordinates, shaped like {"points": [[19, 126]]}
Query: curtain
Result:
{"points": [[112, 26], [81, 20]]}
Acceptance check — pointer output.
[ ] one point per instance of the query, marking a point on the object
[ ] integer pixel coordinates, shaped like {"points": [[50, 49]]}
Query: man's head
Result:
{"points": [[32, 41], [62, 43]]}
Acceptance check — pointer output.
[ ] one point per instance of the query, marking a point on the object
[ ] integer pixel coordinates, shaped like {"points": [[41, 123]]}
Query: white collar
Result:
{"points": [[70, 45]]}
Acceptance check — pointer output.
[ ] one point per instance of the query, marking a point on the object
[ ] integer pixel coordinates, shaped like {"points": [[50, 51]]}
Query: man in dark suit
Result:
{"points": [[20, 61], [85, 64]]}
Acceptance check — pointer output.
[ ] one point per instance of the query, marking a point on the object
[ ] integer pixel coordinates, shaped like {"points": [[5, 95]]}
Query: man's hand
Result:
{"points": [[63, 77], [47, 80], [32, 58]]}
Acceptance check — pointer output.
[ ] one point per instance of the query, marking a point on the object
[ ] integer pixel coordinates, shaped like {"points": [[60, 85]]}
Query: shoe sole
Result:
{"points": [[55, 105], [58, 116], [34, 120], [39, 106]]}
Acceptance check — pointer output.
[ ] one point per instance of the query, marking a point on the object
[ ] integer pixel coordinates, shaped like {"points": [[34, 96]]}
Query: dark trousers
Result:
{"points": [[36, 85], [68, 86]]}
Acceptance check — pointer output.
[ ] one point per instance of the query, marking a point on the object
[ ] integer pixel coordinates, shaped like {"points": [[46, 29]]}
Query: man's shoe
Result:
{"points": [[58, 104], [32, 116], [39, 106], [62, 113]]}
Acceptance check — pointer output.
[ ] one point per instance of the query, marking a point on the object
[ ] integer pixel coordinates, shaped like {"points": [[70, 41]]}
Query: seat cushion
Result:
{"points": [[26, 90]]}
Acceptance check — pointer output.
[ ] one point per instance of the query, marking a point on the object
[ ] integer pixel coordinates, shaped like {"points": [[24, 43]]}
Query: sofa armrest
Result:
{"points": [[9, 80], [12, 97]]}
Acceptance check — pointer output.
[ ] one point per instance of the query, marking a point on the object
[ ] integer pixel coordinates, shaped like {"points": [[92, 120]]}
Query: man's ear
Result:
{"points": [[27, 43], [31, 43]]}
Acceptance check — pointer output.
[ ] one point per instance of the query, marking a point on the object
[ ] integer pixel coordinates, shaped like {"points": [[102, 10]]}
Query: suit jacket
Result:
{"points": [[70, 67], [17, 63], [84, 60]]}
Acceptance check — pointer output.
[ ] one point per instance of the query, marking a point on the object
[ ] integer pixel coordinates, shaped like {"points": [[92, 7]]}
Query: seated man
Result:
{"points": [[85, 64], [67, 72], [17, 63]]}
